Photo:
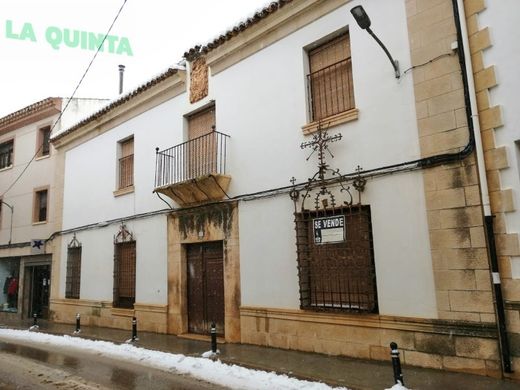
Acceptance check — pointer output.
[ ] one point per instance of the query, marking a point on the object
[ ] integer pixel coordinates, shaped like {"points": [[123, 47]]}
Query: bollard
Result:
{"points": [[35, 322], [213, 338], [396, 364], [134, 330], [78, 324]]}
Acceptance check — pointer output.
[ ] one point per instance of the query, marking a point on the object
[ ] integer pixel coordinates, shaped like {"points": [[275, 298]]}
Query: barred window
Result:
{"points": [[126, 164], [338, 275], [330, 79], [73, 279], [124, 275]]}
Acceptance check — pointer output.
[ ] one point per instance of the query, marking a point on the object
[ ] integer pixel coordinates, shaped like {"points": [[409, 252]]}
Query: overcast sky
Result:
{"points": [[45, 44]]}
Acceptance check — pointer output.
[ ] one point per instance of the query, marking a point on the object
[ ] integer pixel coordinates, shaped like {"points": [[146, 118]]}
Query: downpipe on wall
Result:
{"points": [[473, 121]]}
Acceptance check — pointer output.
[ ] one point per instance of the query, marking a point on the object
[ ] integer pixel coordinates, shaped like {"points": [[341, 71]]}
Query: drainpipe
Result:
{"points": [[463, 41]]}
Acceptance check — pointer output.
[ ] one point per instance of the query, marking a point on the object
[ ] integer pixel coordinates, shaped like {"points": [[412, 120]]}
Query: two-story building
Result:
{"points": [[28, 202], [289, 184]]}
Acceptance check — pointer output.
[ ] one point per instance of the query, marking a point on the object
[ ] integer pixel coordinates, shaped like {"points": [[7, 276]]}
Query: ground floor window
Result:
{"points": [[336, 260], [72, 282], [124, 274], [9, 276]]}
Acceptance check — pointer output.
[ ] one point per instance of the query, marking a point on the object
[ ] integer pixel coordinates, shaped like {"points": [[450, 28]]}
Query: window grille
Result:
{"points": [[337, 276], [73, 279], [330, 79], [126, 164], [124, 274]]}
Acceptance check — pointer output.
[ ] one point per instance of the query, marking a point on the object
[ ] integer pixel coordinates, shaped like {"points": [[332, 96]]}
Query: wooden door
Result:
{"points": [[205, 264]]}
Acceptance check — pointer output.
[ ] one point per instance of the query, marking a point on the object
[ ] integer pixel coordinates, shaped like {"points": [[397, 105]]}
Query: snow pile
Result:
{"points": [[397, 386], [204, 369]]}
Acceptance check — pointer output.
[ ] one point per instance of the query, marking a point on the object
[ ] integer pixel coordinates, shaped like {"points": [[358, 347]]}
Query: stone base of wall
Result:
{"points": [[150, 318], [449, 345]]}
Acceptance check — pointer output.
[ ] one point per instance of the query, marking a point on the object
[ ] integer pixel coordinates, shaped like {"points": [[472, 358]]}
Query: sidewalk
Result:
{"points": [[336, 371]]}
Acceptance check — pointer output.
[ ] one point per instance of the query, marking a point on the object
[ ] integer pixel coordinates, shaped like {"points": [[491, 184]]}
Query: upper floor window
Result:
{"points": [[44, 145], [202, 146], [126, 163], [6, 154], [330, 79], [40, 206]]}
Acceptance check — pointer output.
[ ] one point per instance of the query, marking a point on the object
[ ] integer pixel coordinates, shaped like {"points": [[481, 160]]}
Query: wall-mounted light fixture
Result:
{"points": [[363, 21]]}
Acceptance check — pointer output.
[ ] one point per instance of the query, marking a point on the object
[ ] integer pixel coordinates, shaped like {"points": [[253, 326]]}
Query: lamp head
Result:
{"points": [[361, 17]]}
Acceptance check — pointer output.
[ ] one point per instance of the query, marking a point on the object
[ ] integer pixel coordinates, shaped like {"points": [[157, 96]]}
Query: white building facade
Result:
{"points": [[28, 216], [385, 243]]}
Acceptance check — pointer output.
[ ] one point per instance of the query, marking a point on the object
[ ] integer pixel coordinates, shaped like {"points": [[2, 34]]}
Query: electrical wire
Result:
{"points": [[69, 99], [452, 53]]}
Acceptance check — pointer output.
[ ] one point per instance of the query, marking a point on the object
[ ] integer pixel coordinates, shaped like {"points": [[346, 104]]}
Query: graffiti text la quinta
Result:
{"points": [[58, 37]]}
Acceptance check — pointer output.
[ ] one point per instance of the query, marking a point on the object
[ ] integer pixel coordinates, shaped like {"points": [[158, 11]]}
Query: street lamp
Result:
{"points": [[363, 21]]}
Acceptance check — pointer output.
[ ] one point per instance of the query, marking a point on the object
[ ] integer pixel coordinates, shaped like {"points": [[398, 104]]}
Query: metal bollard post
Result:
{"points": [[35, 322], [396, 364], [78, 323], [134, 329], [213, 338]]}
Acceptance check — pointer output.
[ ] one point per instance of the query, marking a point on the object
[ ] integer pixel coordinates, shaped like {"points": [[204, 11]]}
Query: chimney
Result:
{"points": [[121, 72]]}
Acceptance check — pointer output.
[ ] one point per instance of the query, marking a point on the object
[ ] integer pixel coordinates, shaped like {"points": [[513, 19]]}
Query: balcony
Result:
{"points": [[194, 171]]}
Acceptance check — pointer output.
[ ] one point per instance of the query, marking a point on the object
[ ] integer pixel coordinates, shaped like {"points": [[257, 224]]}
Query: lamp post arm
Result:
{"points": [[395, 63]]}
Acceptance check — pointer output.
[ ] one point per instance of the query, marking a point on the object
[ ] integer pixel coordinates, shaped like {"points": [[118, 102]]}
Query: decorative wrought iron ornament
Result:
{"points": [[74, 243], [324, 198], [123, 235]]}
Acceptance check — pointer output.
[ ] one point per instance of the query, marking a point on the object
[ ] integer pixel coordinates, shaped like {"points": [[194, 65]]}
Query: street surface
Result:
{"points": [[23, 367]]}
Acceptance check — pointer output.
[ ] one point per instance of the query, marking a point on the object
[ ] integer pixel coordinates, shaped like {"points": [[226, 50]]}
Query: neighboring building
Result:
{"points": [[386, 242], [28, 203], [495, 63]]}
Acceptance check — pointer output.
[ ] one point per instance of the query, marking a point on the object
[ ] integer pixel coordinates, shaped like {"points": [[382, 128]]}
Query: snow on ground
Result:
{"points": [[211, 371], [397, 386]]}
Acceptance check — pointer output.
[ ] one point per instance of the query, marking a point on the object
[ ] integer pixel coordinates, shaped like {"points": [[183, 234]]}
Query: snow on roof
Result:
{"points": [[243, 24], [119, 101]]}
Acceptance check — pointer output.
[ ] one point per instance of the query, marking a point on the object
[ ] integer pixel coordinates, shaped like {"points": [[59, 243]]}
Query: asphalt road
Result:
{"points": [[23, 367]]}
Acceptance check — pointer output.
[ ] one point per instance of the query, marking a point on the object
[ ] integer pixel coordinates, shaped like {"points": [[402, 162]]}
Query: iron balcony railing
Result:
{"points": [[200, 156], [330, 90]]}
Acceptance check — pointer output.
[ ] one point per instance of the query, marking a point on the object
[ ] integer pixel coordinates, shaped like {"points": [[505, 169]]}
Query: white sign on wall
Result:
{"points": [[329, 229]]}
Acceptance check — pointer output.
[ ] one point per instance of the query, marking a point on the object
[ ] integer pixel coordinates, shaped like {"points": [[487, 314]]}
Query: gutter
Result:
{"points": [[462, 37]]}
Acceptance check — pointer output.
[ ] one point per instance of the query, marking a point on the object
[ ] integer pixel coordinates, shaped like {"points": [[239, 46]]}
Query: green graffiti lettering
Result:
{"points": [[71, 38], [27, 32], [54, 37], [111, 39], [84, 40], [124, 47], [95, 41]]}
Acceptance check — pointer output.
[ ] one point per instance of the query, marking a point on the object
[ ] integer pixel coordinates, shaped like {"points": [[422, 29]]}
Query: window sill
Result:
{"points": [[6, 168], [39, 223], [124, 191], [334, 120], [42, 157]]}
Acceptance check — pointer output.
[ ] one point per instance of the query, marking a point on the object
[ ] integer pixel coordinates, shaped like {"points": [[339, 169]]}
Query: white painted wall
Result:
{"points": [[503, 18], [97, 261], [40, 173], [261, 104]]}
